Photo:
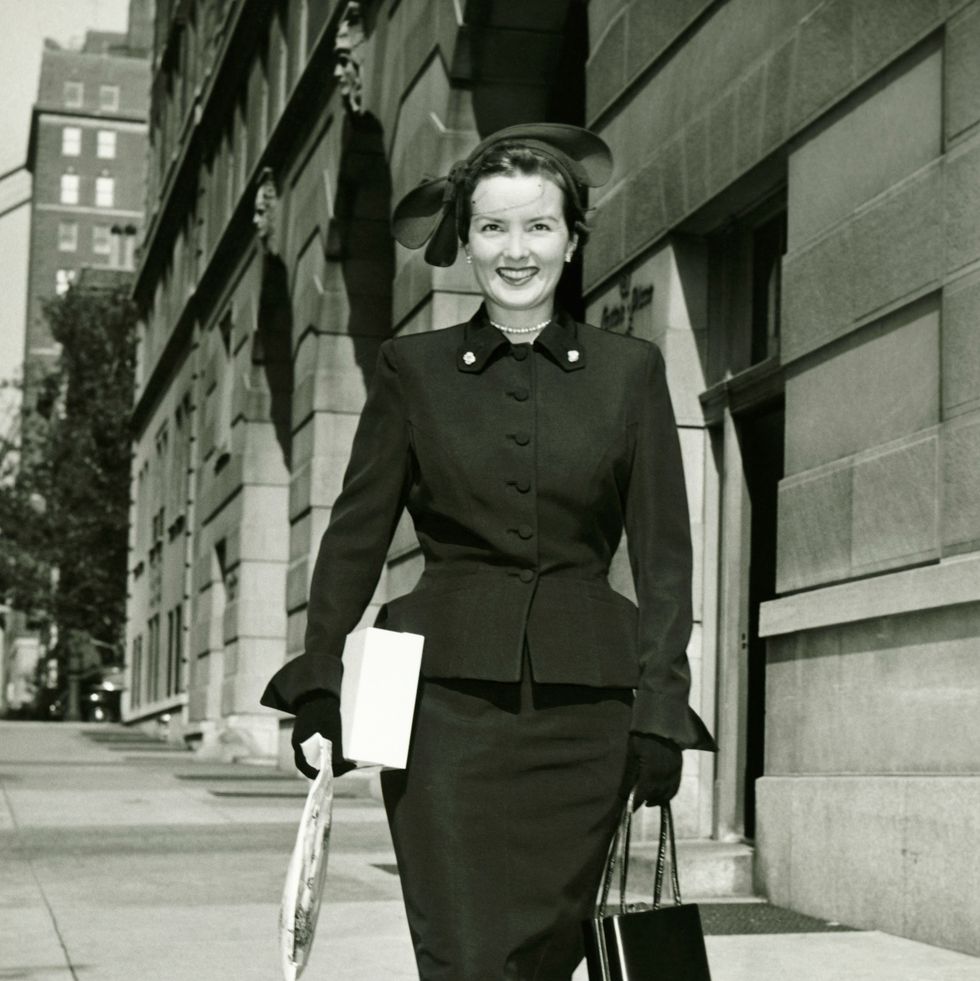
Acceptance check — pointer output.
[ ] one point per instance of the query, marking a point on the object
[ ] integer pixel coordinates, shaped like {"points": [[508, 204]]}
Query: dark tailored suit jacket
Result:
{"points": [[520, 466]]}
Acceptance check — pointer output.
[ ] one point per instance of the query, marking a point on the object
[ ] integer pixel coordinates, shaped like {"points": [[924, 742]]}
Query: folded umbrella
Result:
{"points": [[307, 871]]}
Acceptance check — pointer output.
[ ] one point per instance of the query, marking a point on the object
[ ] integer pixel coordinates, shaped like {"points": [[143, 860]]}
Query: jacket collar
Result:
{"points": [[482, 341]]}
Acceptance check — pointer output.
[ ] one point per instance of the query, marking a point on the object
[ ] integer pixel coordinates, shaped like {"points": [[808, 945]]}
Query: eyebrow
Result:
{"points": [[486, 215]]}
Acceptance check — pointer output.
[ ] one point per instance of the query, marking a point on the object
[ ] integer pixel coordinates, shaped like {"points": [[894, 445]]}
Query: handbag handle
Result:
{"points": [[619, 852]]}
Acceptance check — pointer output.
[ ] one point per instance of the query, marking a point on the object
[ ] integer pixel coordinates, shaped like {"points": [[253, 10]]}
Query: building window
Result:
{"points": [[179, 680], [71, 141], [171, 653], [67, 236], [69, 188], [127, 245], [768, 249], [63, 278], [109, 98], [74, 94], [105, 192], [175, 650], [745, 285], [227, 378], [317, 14], [136, 682], [101, 240], [105, 147], [153, 658]]}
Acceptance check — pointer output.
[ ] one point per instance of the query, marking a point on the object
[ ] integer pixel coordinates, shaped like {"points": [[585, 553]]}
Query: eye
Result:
{"points": [[489, 226], [541, 226]]}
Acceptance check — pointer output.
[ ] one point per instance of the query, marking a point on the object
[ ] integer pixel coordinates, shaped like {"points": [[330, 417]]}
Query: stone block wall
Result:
{"points": [[240, 555], [732, 83], [866, 117], [868, 810], [869, 716]]}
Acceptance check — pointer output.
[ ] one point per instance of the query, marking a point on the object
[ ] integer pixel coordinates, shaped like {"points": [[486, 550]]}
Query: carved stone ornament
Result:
{"points": [[348, 48], [265, 218]]}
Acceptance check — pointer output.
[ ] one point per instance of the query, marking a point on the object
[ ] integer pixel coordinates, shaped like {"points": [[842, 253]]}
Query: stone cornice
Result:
{"points": [[948, 583]]}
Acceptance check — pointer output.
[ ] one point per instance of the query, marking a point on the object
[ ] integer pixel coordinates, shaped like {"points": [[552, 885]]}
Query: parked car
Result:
{"points": [[101, 696]]}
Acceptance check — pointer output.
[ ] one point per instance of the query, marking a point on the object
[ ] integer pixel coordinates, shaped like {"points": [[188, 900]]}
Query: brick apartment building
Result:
{"points": [[793, 217], [87, 155]]}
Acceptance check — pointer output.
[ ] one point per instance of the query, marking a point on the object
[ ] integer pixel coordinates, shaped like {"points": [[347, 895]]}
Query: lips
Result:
{"points": [[517, 277]]}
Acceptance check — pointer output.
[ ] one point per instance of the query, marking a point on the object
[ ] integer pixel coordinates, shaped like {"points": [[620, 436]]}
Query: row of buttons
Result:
{"points": [[522, 438]]}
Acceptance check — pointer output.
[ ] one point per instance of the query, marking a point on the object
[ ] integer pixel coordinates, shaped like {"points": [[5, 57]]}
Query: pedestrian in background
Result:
{"points": [[523, 443]]}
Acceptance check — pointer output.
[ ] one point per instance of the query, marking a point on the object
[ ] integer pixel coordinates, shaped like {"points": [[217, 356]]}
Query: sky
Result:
{"points": [[26, 23]]}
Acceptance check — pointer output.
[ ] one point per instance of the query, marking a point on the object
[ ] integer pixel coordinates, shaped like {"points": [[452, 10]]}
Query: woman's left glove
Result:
{"points": [[654, 769], [320, 712]]}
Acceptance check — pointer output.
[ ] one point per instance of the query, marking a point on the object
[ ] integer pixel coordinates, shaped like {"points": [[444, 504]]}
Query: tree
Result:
{"points": [[25, 529], [64, 479], [88, 460]]}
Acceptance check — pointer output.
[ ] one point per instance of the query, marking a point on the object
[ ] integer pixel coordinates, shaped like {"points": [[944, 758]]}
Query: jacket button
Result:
{"points": [[527, 575], [525, 531], [519, 351], [522, 439], [520, 394], [523, 486]]}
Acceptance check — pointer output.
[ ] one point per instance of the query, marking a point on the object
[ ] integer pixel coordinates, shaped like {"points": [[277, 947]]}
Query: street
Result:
{"points": [[123, 859]]}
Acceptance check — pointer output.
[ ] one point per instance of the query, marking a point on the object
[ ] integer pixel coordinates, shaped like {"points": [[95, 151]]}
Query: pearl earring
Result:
{"points": [[568, 257], [469, 258]]}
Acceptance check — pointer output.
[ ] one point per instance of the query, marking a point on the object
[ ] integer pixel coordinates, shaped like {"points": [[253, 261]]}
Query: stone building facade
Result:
{"points": [[793, 218], [798, 183]]}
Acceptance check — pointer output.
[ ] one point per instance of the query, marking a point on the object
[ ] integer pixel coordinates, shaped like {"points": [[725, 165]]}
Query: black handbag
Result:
{"points": [[640, 942]]}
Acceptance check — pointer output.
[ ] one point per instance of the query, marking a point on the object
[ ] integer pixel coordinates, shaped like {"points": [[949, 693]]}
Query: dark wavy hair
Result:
{"points": [[511, 159]]}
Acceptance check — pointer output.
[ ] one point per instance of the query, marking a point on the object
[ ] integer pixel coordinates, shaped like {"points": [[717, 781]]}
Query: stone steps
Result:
{"points": [[708, 869]]}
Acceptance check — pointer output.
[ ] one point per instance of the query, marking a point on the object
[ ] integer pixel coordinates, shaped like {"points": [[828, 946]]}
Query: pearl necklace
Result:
{"points": [[521, 330]]}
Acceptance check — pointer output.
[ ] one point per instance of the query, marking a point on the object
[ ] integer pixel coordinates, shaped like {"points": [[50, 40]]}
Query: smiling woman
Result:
{"points": [[518, 242], [522, 443]]}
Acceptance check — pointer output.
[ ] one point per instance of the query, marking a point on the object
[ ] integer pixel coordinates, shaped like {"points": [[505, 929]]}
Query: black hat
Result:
{"points": [[428, 212]]}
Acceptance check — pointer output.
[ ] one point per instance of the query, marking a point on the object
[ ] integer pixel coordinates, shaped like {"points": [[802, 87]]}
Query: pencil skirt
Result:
{"points": [[501, 823]]}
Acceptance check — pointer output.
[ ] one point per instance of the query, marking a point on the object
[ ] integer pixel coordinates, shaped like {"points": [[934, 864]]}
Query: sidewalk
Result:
{"points": [[122, 860]]}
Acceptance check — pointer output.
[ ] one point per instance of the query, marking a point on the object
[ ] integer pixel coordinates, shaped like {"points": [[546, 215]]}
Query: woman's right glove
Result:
{"points": [[654, 768], [319, 712]]}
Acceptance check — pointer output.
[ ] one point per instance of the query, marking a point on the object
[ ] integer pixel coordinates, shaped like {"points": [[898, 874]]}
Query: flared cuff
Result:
{"points": [[671, 719], [301, 677]]}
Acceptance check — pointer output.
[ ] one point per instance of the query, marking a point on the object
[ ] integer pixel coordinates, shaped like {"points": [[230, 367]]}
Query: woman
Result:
{"points": [[522, 443]]}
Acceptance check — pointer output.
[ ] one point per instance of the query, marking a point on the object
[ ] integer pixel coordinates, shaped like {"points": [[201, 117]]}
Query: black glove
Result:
{"points": [[654, 769], [319, 712]]}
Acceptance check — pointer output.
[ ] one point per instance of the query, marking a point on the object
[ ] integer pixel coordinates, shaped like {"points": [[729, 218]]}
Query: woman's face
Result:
{"points": [[518, 241]]}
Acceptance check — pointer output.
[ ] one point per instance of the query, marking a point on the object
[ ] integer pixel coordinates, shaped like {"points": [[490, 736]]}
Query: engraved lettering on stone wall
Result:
{"points": [[620, 316]]}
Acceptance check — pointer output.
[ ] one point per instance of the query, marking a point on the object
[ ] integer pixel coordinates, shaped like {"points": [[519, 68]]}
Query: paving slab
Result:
{"points": [[157, 867], [857, 956]]}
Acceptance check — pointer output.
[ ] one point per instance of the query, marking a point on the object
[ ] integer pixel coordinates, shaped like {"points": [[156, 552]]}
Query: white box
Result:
{"points": [[377, 695]]}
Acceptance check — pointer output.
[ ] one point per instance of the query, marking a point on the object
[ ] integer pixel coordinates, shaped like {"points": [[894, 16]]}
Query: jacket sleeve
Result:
{"points": [[658, 533], [353, 548]]}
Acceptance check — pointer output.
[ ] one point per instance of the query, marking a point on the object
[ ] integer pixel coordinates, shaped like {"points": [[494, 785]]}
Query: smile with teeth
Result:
{"points": [[516, 277]]}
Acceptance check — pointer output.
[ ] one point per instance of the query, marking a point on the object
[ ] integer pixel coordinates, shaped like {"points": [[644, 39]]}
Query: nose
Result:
{"points": [[515, 247]]}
